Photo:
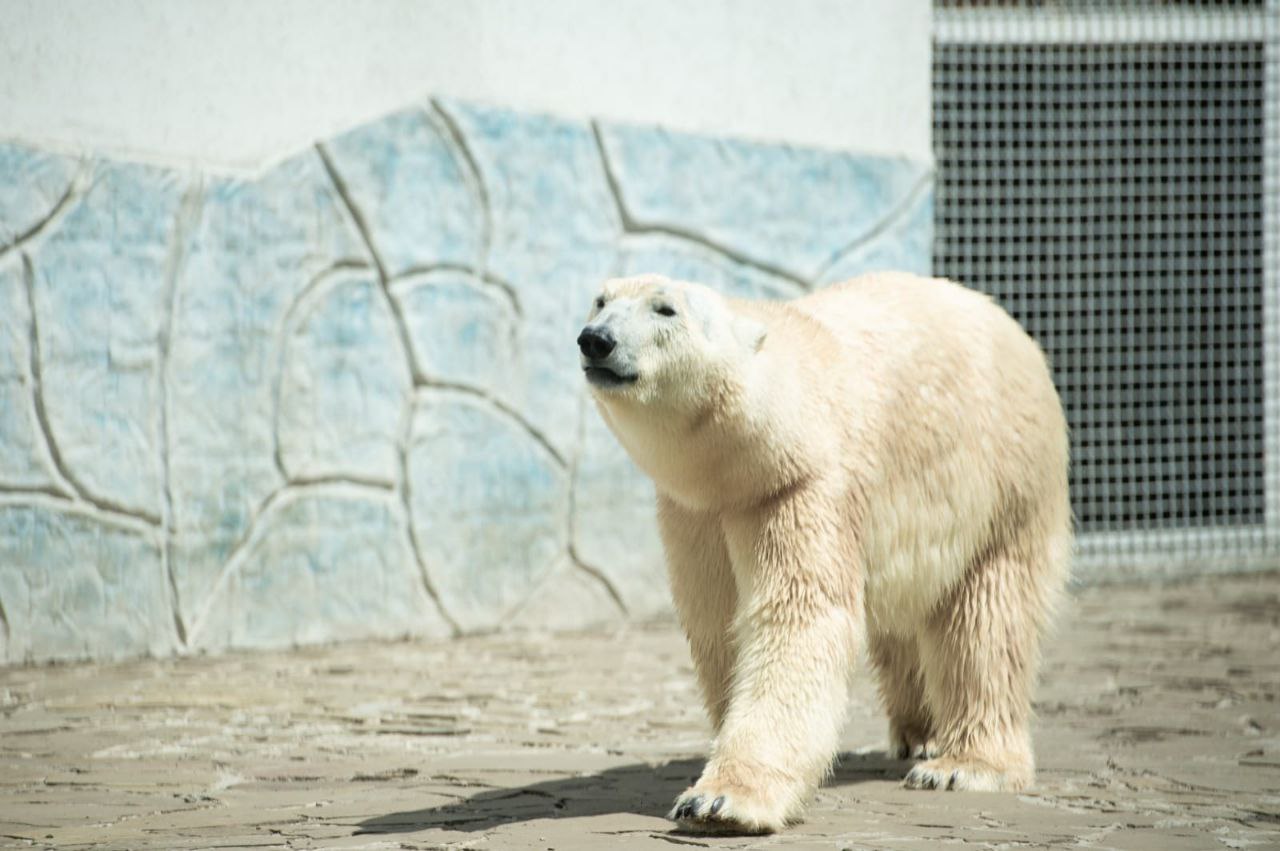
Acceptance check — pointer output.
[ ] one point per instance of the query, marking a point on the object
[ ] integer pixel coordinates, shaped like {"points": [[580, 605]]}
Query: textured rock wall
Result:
{"points": [[342, 399]]}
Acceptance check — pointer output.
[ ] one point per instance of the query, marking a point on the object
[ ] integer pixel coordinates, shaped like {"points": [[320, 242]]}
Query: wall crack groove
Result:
{"points": [[58, 487], [254, 530], [318, 285], [458, 139], [574, 557], [632, 225], [371, 482], [82, 493], [189, 210], [510, 411], [886, 223], [403, 445], [76, 189], [384, 281], [35, 498], [489, 280], [46, 490]]}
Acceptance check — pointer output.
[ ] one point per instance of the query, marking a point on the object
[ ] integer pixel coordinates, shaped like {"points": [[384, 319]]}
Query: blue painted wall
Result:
{"points": [[342, 400]]}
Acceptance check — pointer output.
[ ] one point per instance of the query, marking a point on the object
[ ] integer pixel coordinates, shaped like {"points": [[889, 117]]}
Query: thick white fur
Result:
{"points": [[884, 458]]}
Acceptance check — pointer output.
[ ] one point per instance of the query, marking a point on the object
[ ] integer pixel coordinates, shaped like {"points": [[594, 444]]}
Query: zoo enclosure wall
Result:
{"points": [[264, 395]]}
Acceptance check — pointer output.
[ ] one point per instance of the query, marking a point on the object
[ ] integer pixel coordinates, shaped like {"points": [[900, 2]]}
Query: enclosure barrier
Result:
{"points": [[1110, 173]]}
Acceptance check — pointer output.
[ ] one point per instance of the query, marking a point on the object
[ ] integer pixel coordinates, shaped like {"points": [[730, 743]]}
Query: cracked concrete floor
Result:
{"points": [[1159, 728]]}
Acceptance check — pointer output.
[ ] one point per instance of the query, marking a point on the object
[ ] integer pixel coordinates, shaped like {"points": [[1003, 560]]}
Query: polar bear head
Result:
{"points": [[652, 340]]}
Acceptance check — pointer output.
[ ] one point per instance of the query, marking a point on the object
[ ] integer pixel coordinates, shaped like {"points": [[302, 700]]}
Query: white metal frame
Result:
{"points": [[1271, 270]]}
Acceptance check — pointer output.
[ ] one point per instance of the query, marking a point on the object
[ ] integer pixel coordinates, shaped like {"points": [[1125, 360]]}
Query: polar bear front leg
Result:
{"points": [[705, 596], [796, 633]]}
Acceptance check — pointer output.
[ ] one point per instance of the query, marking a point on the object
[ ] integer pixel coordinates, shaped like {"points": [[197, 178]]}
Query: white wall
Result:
{"points": [[235, 85]]}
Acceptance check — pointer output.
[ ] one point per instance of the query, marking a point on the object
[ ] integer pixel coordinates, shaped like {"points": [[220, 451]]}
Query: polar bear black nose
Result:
{"points": [[596, 343]]}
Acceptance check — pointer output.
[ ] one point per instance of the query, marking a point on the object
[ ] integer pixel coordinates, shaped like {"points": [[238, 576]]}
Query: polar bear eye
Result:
{"points": [[600, 303], [665, 310]]}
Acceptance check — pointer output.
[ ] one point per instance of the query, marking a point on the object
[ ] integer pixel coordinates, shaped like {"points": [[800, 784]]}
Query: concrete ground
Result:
{"points": [[1159, 728]]}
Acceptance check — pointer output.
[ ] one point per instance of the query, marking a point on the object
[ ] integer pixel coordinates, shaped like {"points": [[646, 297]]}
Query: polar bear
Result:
{"points": [[885, 459]]}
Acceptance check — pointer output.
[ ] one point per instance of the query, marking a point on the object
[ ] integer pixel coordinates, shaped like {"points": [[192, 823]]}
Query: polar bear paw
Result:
{"points": [[728, 808], [957, 774]]}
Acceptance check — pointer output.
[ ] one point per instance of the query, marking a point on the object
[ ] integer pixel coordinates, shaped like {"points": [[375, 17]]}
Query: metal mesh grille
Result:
{"points": [[1110, 179]]}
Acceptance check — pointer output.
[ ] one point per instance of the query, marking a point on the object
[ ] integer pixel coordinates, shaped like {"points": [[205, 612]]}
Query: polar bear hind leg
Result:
{"points": [[979, 654], [896, 662]]}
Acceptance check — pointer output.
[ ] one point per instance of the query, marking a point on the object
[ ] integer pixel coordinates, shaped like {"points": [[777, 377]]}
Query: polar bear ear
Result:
{"points": [[749, 333]]}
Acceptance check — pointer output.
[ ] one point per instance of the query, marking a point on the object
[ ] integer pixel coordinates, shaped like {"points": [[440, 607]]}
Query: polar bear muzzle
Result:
{"points": [[597, 344]]}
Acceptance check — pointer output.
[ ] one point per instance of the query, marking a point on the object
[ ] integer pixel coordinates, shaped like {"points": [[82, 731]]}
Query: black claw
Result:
{"points": [[691, 808], [951, 784], [717, 804], [930, 782]]}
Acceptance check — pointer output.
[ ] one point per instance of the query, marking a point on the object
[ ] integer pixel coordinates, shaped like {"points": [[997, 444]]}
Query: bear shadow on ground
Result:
{"points": [[639, 789]]}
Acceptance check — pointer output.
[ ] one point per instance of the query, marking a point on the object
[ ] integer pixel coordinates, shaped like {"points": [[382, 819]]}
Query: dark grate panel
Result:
{"points": [[1110, 196]]}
